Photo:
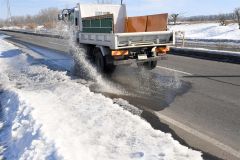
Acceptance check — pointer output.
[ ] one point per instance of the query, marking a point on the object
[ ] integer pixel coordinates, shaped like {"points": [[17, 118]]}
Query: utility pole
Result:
{"points": [[9, 15]]}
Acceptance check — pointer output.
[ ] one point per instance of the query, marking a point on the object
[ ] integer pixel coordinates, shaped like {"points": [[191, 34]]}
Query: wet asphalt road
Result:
{"points": [[204, 95]]}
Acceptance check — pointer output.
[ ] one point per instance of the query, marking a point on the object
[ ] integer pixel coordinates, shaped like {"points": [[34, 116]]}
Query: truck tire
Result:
{"points": [[99, 60], [148, 65], [101, 64], [153, 64]]}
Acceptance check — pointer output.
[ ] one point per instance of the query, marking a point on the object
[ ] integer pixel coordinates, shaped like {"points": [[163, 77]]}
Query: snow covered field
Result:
{"points": [[208, 31], [46, 115], [192, 31]]}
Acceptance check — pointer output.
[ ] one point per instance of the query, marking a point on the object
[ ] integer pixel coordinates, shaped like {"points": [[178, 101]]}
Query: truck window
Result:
{"points": [[101, 13]]}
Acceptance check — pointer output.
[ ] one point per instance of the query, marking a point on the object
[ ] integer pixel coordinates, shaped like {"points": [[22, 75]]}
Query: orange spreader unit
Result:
{"points": [[157, 22], [136, 24], [148, 23]]}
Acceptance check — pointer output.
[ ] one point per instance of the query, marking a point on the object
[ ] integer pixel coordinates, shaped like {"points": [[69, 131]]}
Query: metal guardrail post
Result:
{"points": [[181, 37]]}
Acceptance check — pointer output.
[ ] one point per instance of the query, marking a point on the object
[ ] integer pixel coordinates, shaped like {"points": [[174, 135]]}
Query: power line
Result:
{"points": [[109, 1], [104, 1], [9, 15]]}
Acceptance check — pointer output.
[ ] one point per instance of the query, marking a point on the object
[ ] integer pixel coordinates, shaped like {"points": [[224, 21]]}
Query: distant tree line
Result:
{"points": [[237, 13], [46, 17], [204, 18], [223, 19]]}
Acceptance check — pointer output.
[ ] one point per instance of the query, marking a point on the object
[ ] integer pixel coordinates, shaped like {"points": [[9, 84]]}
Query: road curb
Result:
{"points": [[199, 140], [217, 55]]}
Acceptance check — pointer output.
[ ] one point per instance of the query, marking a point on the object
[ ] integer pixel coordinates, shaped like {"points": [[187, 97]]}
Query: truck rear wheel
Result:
{"points": [[148, 65], [101, 64], [99, 60]]}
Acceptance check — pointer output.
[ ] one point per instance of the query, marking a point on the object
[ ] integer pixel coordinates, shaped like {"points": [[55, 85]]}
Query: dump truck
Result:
{"points": [[112, 38]]}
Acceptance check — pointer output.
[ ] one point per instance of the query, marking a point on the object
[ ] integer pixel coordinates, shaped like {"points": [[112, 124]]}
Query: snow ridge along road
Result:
{"points": [[46, 115]]}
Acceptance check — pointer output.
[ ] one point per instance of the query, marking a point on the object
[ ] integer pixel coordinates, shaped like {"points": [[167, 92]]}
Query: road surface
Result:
{"points": [[198, 99]]}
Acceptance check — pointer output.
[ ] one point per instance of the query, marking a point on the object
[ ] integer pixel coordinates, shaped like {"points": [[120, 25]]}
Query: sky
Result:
{"points": [[134, 7]]}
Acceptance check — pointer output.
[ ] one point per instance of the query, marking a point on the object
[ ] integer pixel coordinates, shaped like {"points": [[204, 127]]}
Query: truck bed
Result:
{"points": [[116, 41]]}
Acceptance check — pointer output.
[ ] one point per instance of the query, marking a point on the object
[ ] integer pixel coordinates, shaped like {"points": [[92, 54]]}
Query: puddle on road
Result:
{"points": [[139, 87], [155, 91]]}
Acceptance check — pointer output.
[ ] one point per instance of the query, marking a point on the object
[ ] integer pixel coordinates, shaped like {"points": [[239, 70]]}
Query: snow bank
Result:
{"points": [[11, 27], [208, 31], [49, 116]]}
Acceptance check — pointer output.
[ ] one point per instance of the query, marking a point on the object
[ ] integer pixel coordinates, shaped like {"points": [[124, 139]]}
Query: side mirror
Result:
{"points": [[60, 17]]}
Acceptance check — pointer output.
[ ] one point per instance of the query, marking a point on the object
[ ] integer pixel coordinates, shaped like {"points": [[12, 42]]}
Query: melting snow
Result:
{"points": [[208, 31]]}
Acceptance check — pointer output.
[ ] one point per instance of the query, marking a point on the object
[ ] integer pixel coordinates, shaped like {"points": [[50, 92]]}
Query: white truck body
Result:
{"points": [[118, 39], [115, 39]]}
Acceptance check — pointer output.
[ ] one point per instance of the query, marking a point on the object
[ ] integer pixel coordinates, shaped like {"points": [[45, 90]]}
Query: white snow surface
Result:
{"points": [[208, 31], [46, 115]]}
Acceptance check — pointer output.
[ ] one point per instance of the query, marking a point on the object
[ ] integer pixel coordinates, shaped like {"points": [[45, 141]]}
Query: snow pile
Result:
{"points": [[126, 106], [208, 31], [46, 115], [41, 27], [20, 137], [12, 27]]}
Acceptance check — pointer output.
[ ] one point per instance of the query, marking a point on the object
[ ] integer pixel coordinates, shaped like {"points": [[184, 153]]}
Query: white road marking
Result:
{"points": [[206, 138], [56, 43], [28, 38], [174, 70]]}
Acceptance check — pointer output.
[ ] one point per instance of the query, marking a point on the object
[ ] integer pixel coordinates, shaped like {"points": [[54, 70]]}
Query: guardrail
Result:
{"points": [[37, 33], [216, 55]]}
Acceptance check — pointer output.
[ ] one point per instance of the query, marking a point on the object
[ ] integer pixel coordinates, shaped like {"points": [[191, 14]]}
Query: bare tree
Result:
{"points": [[47, 16], [222, 20], [1, 23], [207, 18], [237, 13], [174, 18]]}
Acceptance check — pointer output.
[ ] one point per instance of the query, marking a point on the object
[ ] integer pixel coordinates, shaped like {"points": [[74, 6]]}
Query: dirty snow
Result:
{"points": [[208, 31], [46, 115]]}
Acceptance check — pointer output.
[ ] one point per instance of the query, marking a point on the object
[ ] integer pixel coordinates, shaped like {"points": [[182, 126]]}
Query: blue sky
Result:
{"points": [[134, 7]]}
